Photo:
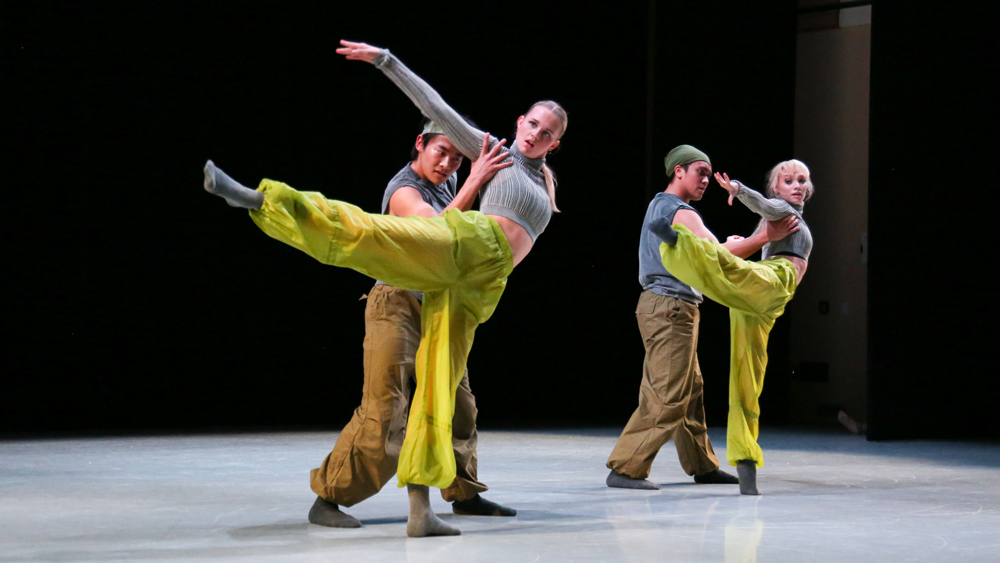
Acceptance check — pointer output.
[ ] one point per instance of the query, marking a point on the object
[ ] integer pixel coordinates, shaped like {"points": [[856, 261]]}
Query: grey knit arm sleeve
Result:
{"points": [[465, 137], [769, 209]]}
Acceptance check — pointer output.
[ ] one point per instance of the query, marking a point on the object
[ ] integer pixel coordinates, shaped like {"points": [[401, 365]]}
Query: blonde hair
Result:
{"points": [[788, 167], [550, 178]]}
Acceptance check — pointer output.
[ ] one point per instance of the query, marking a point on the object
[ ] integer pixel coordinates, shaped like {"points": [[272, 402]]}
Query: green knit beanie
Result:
{"points": [[681, 155]]}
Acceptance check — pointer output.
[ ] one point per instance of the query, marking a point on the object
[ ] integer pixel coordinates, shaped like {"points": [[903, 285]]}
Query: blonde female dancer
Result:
{"points": [[460, 260], [755, 292]]}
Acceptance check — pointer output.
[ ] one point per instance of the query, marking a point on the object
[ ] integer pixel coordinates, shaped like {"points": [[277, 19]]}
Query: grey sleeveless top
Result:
{"points": [[652, 275], [799, 243], [518, 192], [437, 197]]}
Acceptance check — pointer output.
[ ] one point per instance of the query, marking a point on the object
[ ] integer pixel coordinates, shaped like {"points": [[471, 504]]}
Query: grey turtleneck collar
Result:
{"points": [[535, 163]]}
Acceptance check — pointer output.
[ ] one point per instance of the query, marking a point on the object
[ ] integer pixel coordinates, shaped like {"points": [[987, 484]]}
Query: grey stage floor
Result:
{"points": [[827, 497]]}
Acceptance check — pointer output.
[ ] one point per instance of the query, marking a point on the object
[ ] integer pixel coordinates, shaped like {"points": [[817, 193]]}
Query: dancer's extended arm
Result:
{"points": [[771, 209], [464, 136]]}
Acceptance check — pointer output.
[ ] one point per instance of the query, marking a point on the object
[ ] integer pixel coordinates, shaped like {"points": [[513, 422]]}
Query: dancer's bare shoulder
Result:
{"points": [[692, 220]]}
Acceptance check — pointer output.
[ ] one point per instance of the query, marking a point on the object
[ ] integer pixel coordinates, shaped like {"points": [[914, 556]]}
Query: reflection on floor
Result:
{"points": [[826, 497]]}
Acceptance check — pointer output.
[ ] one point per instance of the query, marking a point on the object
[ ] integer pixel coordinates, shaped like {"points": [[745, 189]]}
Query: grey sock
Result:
{"points": [[716, 477], [747, 470], [620, 481], [478, 506], [422, 521], [235, 194], [325, 513]]}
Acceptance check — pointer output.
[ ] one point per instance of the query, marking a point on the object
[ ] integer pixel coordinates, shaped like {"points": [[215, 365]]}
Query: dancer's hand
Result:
{"points": [[490, 161], [777, 230], [358, 51], [724, 181]]}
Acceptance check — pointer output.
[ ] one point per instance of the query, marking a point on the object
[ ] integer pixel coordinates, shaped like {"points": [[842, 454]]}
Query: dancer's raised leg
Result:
{"points": [[422, 521], [761, 288], [416, 253]]}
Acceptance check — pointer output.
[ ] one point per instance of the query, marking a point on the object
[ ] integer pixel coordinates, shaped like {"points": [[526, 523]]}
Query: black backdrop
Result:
{"points": [[931, 283], [139, 302], [143, 303]]}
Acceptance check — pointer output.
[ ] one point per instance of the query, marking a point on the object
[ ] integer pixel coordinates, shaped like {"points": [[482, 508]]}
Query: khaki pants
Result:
{"points": [[671, 402], [367, 452]]}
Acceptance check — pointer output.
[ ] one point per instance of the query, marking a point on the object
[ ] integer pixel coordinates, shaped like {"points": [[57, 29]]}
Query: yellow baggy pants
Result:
{"points": [[756, 294], [460, 260]]}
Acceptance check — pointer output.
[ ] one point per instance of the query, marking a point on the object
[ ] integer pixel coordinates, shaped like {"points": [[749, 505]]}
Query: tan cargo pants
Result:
{"points": [[366, 454], [671, 395]]}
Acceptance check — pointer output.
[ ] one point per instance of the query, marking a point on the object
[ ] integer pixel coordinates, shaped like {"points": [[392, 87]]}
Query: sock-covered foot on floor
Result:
{"points": [[478, 506], [747, 470], [422, 521], [716, 477], [324, 513], [235, 194], [616, 479]]}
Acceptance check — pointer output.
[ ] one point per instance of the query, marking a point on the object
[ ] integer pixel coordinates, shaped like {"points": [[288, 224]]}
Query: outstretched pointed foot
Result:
{"points": [[324, 513], [422, 521], [235, 194], [747, 470], [716, 477], [617, 480], [478, 506], [209, 171]]}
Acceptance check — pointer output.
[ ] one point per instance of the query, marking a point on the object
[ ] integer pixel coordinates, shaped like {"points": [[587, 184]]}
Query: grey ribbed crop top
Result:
{"points": [[518, 192], [799, 243]]}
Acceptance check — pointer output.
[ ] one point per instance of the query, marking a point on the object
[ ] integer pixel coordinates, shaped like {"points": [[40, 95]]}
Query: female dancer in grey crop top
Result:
{"points": [[460, 260], [788, 189], [520, 198], [756, 294]]}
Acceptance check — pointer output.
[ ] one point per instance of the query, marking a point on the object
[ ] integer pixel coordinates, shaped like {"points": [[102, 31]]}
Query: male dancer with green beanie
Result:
{"points": [[671, 401]]}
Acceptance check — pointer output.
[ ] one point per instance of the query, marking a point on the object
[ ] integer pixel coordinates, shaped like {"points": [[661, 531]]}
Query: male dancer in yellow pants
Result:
{"points": [[670, 398], [367, 451]]}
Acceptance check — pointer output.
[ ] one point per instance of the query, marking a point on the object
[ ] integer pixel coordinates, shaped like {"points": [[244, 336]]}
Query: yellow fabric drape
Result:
{"points": [[756, 294], [460, 261]]}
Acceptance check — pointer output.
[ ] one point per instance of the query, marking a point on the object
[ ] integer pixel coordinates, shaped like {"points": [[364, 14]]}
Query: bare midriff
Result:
{"points": [[519, 239], [800, 267]]}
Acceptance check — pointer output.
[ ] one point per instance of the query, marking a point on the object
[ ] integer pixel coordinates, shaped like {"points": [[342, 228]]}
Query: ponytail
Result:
{"points": [[550, 178], [550, 185]]}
